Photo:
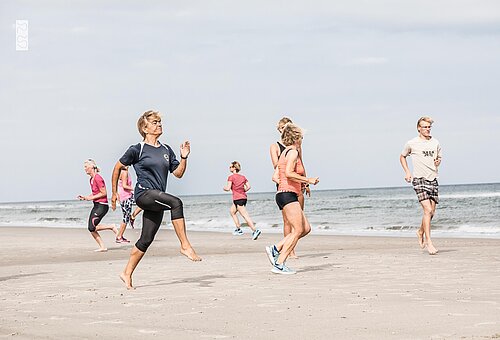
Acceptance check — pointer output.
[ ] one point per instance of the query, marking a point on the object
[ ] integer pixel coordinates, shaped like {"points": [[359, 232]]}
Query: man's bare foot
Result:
{"points": [[293, 256], [101, 250], [431, 249], [190, 254], [127, 280], [421, 240]]}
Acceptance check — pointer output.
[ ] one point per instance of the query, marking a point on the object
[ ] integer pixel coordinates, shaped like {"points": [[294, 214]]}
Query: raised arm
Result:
{"points": [[185, 150]]}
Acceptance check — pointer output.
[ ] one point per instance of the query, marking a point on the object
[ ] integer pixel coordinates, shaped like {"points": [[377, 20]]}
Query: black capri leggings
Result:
{"points": [[96, 214], [154, 203]]}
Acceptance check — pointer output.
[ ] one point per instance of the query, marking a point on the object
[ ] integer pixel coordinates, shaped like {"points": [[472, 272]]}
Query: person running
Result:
{"points": [[426, 155], [126, 197], [152, 161], [239, 185], [275, 151], [100, 199], [291, 176]]}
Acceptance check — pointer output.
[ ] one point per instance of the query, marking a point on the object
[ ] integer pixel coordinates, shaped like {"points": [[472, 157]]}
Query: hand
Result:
{"points": [[408, 177], [81, 198], [313, 180], [437, 161], [308, 191], [113, 201], [185, 149]]}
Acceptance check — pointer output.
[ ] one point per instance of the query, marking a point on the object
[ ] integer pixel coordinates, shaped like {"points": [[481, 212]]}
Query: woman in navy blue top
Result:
{"points": [[152, 162]]}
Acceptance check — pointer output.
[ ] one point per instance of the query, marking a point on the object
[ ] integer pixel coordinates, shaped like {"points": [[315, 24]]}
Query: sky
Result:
{"points": [[356, 75]]}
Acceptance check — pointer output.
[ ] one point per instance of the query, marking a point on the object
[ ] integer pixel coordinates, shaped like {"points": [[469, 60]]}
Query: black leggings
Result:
{"points": [[96, 215], [154, 203]]}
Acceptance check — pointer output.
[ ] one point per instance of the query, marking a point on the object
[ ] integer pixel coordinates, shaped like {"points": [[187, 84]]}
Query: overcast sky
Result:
{"points": [[355, 74]]}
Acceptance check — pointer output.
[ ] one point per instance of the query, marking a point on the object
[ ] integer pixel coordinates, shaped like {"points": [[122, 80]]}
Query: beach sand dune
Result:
{"points": [[53, 286]]}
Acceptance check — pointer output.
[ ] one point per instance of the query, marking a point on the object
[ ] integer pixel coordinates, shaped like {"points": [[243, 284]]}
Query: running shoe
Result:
{"points": [[122, 240], [282, 269], [256, 234], [237, 232], [272, 254]]}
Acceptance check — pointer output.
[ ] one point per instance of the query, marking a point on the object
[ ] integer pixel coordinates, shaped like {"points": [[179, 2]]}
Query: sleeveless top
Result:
{"points": [[286, 184]]}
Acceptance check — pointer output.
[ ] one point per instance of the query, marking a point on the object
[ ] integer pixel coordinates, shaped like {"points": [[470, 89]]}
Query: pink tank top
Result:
{"points": [[125, 194], [96, 184], [286, 184]]}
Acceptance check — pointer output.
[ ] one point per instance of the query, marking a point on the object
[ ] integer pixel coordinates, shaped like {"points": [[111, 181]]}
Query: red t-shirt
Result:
{"points": [[238, 183], [96, 184]]}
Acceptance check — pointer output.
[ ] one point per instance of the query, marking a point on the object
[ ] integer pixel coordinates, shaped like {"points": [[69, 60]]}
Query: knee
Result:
{"points": [[307, 230], [143, 244], [91, 227]]}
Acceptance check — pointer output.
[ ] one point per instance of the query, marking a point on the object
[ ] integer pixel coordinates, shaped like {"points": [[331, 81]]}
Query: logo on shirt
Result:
{"points": [[166, 157], [428, 153]]}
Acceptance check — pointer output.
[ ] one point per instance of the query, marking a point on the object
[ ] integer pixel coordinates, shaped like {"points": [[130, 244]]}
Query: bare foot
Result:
{"points": [[421, 240], [431, 249], [115, 230], [190, 254], [127, 280], [101, 250], [293, 256]]}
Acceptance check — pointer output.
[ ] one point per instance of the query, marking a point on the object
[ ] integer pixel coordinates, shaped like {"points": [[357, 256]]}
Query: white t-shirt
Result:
{"points": [[423, 152]]}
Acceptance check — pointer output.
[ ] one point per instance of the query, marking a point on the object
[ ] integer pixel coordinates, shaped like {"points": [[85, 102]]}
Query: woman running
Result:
{"points": [[239, 185], [291, 176], [100, 199], [276, 150], [152, 161]]}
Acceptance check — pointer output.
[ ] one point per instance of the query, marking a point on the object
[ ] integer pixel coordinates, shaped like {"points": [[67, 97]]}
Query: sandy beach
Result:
{"points": [[53, 286]]}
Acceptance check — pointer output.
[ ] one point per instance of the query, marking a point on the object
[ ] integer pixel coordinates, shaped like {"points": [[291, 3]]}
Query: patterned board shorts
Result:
{"points": [[127, 209], [425, 189]]}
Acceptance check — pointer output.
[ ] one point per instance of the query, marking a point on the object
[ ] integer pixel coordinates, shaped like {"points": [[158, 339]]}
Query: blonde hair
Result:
{"points": [[424, 119], [291, 134], [236, 166], [93, 164], [143, 120], [282, 122]]}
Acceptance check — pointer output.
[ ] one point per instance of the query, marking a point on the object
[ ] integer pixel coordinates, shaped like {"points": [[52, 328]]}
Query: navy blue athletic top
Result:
{"points": [[151, 165]]}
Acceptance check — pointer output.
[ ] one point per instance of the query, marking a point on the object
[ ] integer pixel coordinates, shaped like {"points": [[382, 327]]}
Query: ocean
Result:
{"points": [[471, 210]]}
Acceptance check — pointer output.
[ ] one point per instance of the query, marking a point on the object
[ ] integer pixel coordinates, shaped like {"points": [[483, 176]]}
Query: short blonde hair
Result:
{"points": [[291, 134], [282, 122], [143, 120], [424, 119], [236, 165], [92, 163]]}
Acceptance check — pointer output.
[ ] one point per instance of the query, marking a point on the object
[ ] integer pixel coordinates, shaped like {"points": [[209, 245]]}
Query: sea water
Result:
{"points": [[471, 210]]}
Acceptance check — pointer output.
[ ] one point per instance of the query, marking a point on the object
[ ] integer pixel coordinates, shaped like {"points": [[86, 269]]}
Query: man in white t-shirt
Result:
{"points": [[426, 158]]}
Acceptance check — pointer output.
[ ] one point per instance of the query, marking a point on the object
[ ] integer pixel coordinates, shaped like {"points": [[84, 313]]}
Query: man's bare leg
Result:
{"points": [[186, 248], [428, 207]]}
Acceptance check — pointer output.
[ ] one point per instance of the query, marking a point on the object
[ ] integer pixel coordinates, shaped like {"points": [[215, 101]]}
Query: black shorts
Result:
{"points": [[96, 215], [241, 202], [285, 197]]}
